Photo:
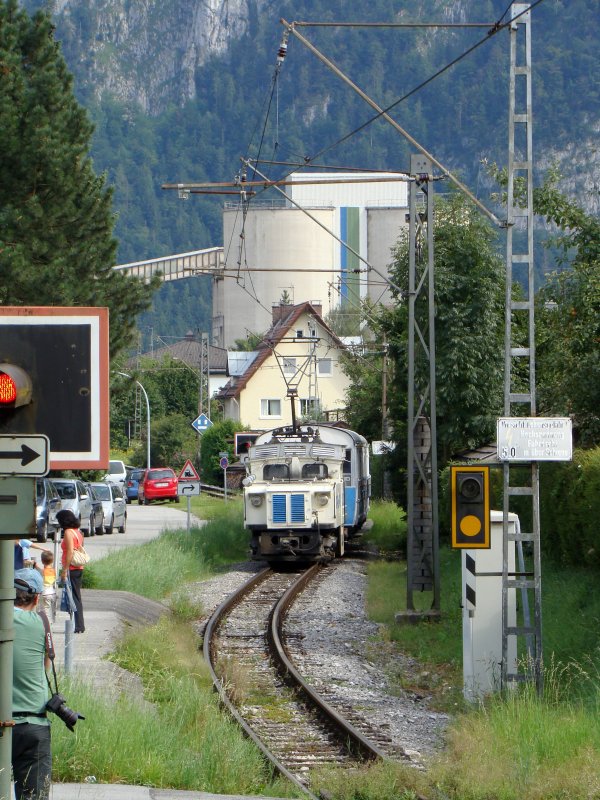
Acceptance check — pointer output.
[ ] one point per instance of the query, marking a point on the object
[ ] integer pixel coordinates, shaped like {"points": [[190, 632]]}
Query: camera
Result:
{"points": [[58, 705]]}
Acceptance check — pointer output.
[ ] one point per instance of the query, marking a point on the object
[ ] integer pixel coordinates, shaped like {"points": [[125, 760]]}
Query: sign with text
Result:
{"points": [[534, 439]]}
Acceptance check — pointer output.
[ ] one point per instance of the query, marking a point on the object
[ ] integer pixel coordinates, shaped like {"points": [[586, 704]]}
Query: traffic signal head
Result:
{"points": [[470, 490], [15, 387]]}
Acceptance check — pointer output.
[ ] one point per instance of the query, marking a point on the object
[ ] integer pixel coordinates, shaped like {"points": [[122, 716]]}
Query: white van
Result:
{"points": [[117, 473]]}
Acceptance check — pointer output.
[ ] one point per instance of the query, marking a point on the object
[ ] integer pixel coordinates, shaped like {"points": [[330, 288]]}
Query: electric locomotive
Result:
{"points": [[306, 492]]}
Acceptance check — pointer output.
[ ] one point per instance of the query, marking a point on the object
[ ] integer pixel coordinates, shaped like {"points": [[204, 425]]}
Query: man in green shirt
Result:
{"points": [[31, 752]]}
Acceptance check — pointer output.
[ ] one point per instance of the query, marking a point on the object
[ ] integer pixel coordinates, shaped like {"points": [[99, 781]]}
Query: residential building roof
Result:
{"points": [[284, 319]]}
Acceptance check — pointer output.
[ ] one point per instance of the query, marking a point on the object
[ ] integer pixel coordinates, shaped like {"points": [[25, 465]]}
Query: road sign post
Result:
{"points": [[224, 462], [188, 485]]}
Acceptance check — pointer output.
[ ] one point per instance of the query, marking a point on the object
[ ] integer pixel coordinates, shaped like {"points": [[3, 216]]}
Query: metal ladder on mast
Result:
{"points": [[527, 655]]}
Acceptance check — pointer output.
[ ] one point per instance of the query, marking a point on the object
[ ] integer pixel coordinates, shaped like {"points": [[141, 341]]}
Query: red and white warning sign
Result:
{"points": [[188, 472]]}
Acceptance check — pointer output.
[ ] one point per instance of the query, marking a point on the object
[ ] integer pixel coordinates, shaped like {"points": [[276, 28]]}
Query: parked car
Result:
{"points": [[114, 508], [97, 518], [131, 484], [75, 497], [158, 483], [117, 473], [47, 503]]}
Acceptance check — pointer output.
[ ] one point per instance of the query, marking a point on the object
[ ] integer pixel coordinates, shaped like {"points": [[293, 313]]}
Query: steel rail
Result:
{"points": [[209, 632], [365, 746]]}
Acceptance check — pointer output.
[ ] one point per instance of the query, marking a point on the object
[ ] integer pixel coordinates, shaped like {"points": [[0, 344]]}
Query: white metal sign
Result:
{"points": [[188, 488], [535, 439], [24, 455]]}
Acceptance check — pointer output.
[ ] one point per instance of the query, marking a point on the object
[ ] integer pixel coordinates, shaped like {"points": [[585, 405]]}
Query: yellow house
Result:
{"points": [[296, 370]]}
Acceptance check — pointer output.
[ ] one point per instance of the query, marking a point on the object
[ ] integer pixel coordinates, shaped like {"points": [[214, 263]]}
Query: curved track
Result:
{"points": [[257, 680]]}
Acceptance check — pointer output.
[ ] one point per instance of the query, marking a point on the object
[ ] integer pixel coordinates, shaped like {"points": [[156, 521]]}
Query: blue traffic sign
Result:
{"points": [[224, 462], [201, 423]]}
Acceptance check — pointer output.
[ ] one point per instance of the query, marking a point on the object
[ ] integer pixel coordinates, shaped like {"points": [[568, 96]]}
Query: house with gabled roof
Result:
{"points": [[297, 361]]}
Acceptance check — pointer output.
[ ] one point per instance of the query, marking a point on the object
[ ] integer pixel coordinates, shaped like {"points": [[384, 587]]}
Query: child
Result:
{"points": [[49, 590]]}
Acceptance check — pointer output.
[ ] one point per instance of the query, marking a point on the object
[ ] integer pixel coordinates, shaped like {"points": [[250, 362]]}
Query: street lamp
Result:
{"points": [[125, 375]]}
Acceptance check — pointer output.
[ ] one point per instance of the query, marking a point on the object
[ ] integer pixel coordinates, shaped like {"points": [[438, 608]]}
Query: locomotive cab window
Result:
{"points": [[316, 471], [280, 472]]}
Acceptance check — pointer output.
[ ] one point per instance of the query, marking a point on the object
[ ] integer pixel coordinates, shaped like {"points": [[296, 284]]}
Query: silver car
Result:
{"points": [[113, 504], [74, 496]]}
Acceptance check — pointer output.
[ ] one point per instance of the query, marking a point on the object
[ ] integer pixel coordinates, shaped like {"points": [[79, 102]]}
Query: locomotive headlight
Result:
{"points": [[256, 500], [322, 498]]}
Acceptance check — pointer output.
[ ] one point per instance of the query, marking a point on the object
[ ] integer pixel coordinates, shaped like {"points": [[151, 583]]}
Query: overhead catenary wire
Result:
{"points": [[493, 30]]}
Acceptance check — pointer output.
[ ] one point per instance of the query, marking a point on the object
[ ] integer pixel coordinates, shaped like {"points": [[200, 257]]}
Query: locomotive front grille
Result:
{"points": [[292, 513]]}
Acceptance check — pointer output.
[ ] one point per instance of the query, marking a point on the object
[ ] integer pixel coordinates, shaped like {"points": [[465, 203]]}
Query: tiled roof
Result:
{"points": [[188, 351]]}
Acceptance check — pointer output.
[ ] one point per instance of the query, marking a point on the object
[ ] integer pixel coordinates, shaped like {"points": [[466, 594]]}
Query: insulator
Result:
{"points": [[282, 52]]}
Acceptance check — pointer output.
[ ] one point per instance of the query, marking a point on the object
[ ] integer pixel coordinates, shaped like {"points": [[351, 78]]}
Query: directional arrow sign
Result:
{"points": [[24, 455], [188, 489]]}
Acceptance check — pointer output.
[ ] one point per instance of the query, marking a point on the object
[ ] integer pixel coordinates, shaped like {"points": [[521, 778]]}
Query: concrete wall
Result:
{"points": [[285, 241], [384, 227]]}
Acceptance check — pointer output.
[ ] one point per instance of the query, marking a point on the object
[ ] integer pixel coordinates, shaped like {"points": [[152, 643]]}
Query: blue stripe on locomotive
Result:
{"points": [[349, 505]]}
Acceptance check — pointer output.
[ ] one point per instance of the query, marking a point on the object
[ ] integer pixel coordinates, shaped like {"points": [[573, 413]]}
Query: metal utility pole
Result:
{"points": [[422, 549], [204, 385], [520, 355]]}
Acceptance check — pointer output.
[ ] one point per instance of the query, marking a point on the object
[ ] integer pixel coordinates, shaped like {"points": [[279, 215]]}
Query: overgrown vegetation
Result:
{"points": [[176, 557], [176, 737], [519, 747]]}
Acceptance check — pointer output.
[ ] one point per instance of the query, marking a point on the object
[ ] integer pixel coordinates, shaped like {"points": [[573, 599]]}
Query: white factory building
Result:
{"points": [[328, 242]]}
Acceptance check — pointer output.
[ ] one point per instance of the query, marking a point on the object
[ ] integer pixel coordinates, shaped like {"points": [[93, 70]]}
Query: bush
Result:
{"points": [[570, 508]]}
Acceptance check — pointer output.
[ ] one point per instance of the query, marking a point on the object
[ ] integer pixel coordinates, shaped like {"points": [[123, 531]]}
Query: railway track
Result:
{"points": [[253, 671]]}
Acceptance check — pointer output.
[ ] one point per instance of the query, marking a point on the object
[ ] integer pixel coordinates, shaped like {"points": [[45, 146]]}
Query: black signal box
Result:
{"points": [[64, 352], [470, 491], [243, 441]]}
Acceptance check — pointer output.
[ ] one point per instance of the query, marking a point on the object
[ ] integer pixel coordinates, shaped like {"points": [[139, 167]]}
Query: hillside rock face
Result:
{"points": [[147, 51]]}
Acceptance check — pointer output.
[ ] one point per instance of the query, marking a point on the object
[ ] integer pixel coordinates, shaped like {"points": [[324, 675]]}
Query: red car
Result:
{"points": [[158, 483]]}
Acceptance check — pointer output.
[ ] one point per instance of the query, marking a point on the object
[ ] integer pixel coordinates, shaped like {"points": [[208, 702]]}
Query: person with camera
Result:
{"points": [[31, 753], [72, 539]]}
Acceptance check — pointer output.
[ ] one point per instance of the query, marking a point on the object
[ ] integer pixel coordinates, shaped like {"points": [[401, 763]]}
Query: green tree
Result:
{"points": [[469, 320], [217, 439], [56, 242], [173, 441], [568, 317]]}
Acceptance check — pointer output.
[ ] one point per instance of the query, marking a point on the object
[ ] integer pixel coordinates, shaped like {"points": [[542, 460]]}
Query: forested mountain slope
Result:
{"points": [[180, 89]]}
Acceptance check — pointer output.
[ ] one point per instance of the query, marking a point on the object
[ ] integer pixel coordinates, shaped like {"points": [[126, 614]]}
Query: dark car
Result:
{"points": [[47, 503], [132, 481], [97, 515], [158, 483]]}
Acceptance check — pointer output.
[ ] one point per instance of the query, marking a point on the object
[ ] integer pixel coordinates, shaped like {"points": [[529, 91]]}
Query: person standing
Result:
{"points": [[72, 539], [49, 577], [31, 751]]}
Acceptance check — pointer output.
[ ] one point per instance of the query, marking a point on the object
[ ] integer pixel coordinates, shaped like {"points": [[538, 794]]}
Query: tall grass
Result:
{"points": [[518, 747], [155, 568], [514, 747], [178, 739], [388, 533], [524, 747]]}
